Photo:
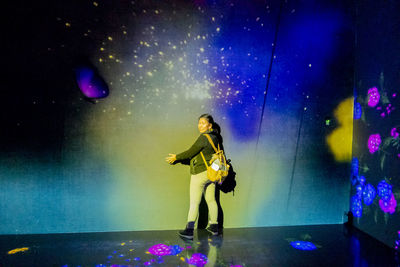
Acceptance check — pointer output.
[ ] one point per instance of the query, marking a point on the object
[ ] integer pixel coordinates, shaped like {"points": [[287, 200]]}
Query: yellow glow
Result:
{"points": [[95, 4], [340, 140], [17, 250], [68, 24], [109, 38]]}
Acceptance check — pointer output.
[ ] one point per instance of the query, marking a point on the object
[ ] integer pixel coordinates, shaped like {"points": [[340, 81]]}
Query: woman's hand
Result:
{"points": [[171, 158]]}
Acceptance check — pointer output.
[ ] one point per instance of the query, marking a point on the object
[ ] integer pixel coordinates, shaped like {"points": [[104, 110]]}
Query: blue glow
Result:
{"points": [[303, 245], [198, 259], [354, 166], [369, 194], [356, 206], [357, 111], [90, 82], [361, 180], [384, 190], [359, 190], [175, 249]]}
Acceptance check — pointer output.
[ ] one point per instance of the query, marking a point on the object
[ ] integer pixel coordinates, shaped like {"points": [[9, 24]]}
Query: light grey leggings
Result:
{"points": [[199, 183]]}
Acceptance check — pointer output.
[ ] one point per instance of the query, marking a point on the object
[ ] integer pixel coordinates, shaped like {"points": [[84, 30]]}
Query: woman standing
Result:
{"points": [[199, 182]]}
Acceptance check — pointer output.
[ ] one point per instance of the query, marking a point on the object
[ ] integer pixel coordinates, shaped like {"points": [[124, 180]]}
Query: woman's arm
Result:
{"points": [[193, 150]]}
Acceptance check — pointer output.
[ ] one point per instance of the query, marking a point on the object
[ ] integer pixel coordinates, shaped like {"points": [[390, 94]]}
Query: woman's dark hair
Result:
{"points": [[210, 119]]}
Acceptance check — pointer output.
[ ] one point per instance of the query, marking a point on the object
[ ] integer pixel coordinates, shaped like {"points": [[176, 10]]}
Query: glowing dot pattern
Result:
{"points": [[176, 249], [160, 250], [384, 190], [356, 206], [373, 143], [388, 206], [303, 245], [198, 259], [369, 194], [373, 97]]}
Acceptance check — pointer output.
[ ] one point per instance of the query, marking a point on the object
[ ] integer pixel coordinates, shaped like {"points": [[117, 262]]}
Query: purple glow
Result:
{"points": [[384, 190], [373, 143], [388, 206], [373, 97], [369, 194], [90, 83], [394, 95], [303, 245], [394, 133], [198, 259], [397, 242], [160, 250], [357, 111], [356, 206]]}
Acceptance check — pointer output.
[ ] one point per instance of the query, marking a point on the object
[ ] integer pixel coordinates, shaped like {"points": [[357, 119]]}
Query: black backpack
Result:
{"points": [[229, 184]]}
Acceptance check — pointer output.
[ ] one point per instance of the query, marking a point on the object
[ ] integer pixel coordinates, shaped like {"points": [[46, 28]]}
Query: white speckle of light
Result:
{"points": [[309, 65], [218, 29], [305, 108]]}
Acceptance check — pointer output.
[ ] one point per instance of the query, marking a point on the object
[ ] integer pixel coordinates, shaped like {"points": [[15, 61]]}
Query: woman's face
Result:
{"points": [[204, 125]]}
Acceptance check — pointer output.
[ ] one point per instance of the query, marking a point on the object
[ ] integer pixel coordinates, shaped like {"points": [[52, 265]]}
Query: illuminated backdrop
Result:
{"points": [[375, 179], [71, 165]]}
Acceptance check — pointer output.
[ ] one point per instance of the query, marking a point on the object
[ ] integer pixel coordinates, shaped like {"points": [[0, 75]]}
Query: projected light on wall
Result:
{"points": [[388, 206], [356, 205], [357, 111], [373, 97], [369, 194], [354, 166], [397, 242], [394, 133], [90, 82], [384, 190], [373, 143]]}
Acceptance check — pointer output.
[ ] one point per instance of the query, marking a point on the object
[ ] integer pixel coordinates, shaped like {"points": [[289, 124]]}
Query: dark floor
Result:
{"points": [[336, 245]]}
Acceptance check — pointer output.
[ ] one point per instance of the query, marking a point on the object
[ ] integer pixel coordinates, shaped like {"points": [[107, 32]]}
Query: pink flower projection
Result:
{"points": [[373, 143], [394, 133], [160, 250], [373, 97], [388, 206]]}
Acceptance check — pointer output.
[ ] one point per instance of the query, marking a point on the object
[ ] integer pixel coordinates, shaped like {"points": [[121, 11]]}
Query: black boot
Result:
{"points": [[213, 228], [188, 232]]}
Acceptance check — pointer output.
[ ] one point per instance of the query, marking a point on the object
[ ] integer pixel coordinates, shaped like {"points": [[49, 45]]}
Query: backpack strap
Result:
{"points": [[204, 159], [212, 143]]}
